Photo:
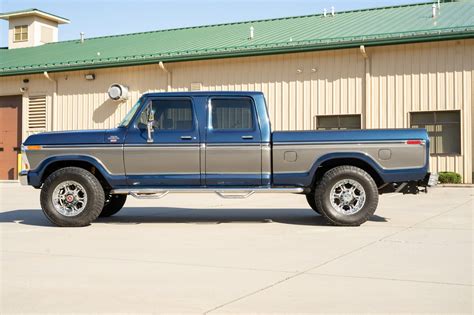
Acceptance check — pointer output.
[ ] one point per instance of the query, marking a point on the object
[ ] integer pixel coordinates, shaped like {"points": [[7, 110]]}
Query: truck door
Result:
{"points": [[233, 143], [172, 159]]}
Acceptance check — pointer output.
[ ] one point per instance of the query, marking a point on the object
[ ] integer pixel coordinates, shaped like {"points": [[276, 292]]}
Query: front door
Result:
{"points": [[173, 158], [10, 135], [233, 143]]}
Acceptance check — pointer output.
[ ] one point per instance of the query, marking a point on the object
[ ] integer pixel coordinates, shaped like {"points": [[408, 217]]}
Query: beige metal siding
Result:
{"points": [[384, 89], [425, 77]]}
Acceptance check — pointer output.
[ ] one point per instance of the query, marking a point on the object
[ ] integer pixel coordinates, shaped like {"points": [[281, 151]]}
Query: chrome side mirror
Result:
{"points": [[149, 125]]}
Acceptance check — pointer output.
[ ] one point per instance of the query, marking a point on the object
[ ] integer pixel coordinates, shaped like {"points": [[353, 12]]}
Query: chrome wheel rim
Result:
{"points": [[69, 198], [347, 196]]}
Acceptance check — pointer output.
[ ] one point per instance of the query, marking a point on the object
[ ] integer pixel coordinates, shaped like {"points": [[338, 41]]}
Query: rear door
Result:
{"points": [[173, 158], [233, 143]]}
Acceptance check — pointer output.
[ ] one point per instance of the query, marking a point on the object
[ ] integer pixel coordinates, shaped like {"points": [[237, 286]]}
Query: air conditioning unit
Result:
{"points": [[118, 92]]}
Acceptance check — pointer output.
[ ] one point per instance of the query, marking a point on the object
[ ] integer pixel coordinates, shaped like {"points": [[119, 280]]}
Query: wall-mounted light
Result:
{"points": [[90, 76]]}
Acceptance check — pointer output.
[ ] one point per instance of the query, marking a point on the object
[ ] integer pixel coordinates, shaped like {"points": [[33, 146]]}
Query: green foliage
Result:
{"points": [[449, 178]]}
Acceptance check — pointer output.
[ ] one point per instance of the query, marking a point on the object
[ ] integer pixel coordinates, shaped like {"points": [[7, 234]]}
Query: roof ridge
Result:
{"points": [[246, 22]]}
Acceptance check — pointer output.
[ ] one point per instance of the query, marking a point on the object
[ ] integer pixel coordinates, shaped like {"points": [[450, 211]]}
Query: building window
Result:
{"points": [[338, 122], [232, 114], [21, 33], [444, 130]]}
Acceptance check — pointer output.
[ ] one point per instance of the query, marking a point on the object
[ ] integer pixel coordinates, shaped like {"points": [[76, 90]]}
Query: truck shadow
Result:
{"points": [[143, 215]]}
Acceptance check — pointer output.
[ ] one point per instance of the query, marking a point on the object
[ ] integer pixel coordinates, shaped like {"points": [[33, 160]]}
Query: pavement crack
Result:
{"points": [[392, 279], [149, 261]]}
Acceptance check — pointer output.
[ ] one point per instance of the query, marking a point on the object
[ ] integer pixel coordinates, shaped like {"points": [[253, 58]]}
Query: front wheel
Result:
{"points": [[72, 196], [346, 195]]}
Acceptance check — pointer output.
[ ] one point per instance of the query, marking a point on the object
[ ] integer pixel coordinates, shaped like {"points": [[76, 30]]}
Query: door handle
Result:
{"points": [[247, 137], [186, 137]]}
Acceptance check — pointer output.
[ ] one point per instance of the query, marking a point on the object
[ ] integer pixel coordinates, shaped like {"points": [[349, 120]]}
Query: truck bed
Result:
{"points": [[394, 153]]}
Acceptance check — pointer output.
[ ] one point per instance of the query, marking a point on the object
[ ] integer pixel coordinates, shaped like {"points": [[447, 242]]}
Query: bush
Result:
{"points": [[449, 178]]}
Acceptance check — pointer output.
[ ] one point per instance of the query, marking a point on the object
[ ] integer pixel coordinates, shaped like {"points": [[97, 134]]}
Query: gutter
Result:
{"points": [[55, 98], [367, 85], [168, 76], [245, 53]]}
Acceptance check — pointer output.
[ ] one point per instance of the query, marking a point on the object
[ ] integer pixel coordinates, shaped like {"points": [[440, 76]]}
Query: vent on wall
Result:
{"points": [[196, 86], [37, 112]]}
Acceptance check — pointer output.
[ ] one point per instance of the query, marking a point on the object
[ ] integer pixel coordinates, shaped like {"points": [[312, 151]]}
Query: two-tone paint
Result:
{"points": [[204, 157]]}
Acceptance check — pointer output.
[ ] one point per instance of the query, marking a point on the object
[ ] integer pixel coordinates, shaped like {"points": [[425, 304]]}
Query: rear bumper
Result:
{"points": [[23, 178]]}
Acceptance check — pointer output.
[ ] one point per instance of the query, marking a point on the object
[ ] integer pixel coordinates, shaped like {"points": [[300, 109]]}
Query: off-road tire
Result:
{"points": [[312, 202], [113, 204], [93, 188], [329, 179]]}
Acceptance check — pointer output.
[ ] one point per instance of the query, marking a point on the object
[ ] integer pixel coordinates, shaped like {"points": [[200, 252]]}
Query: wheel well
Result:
{"points": [[82, 164], [326, 166]]}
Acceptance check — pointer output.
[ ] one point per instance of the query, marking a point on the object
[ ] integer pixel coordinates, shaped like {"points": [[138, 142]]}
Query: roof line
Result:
{"points": [[298, 47], [31, 10], [248, 21]]}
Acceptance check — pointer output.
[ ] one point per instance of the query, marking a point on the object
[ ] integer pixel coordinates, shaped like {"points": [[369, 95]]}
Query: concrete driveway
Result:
{"points": [[197, 253]]}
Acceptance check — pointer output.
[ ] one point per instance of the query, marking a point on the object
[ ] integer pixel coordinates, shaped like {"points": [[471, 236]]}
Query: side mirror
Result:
{"points": [[149, 125]]}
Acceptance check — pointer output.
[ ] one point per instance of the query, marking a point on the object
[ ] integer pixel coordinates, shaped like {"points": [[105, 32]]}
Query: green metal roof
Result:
{"points": [[378, 26]]}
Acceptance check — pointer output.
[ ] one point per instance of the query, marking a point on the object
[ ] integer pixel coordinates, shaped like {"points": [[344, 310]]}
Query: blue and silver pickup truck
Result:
{"points": [[220, 142]]}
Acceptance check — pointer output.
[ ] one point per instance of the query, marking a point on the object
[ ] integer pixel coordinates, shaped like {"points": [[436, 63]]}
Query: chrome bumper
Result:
{"points": [[23, 178]]}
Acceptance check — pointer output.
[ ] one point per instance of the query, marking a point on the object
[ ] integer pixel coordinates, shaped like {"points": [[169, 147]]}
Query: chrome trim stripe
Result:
{"points": [[158, 145], [85, 146], [234, 144], [197, 173], [345, 142]]}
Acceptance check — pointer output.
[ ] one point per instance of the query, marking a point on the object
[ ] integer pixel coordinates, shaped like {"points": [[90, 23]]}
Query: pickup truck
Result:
{"points": [[220, 142]]}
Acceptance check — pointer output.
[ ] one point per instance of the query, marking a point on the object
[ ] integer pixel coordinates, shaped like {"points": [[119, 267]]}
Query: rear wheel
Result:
{"points": [[113, 204], [346, 195], [72, 196], [312, 202]]}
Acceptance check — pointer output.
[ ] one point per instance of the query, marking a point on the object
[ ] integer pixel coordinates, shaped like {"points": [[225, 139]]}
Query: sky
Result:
{"points": [[110, 17]]}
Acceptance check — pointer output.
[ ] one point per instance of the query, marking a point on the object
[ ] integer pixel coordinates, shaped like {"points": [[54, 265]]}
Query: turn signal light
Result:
{"points": [[33, 147], [414, 141]]}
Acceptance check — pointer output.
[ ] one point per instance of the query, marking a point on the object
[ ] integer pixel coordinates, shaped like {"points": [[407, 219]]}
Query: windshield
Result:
{"points": [[129, 116]]}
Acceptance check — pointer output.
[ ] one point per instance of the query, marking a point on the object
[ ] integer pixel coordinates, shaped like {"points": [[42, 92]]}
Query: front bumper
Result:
{"points": [[23, 178]]}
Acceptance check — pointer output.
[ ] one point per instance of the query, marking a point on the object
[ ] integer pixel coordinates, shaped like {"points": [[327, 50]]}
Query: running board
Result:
{"points": [[227, 193]]}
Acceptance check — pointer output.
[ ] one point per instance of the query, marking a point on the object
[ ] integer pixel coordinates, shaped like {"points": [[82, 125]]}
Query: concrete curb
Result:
{"points": [[456, 185]]}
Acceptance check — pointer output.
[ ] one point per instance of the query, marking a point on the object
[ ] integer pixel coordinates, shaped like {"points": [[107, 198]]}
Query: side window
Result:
{"points": [[232, 114], [173, 114]]}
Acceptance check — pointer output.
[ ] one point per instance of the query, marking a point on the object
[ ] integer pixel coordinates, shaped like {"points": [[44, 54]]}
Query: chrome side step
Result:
{"points": [[227, 193]]}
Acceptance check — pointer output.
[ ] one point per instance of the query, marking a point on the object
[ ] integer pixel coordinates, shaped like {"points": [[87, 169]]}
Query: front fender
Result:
{"points": [[35, 176]]}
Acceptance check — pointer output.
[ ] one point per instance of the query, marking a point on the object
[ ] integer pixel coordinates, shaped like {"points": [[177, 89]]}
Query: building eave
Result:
{"points": [[247, 52]]}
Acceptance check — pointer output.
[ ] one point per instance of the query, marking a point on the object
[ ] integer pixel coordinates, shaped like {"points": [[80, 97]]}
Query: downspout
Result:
{"points": [[366, 95], [168, 76], [55, 98]]}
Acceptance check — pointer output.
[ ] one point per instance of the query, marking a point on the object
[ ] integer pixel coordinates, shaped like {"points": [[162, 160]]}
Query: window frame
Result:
{"points": [[458, 111], [21, 33], [149, 102], [338, 121], [255, 119]]}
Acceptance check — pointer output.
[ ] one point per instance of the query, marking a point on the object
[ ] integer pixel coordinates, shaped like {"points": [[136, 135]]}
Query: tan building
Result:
{"points": [[394, 67]]}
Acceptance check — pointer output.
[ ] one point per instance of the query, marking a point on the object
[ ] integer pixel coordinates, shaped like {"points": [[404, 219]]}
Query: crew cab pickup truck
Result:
{"points": [[220, 142]]}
